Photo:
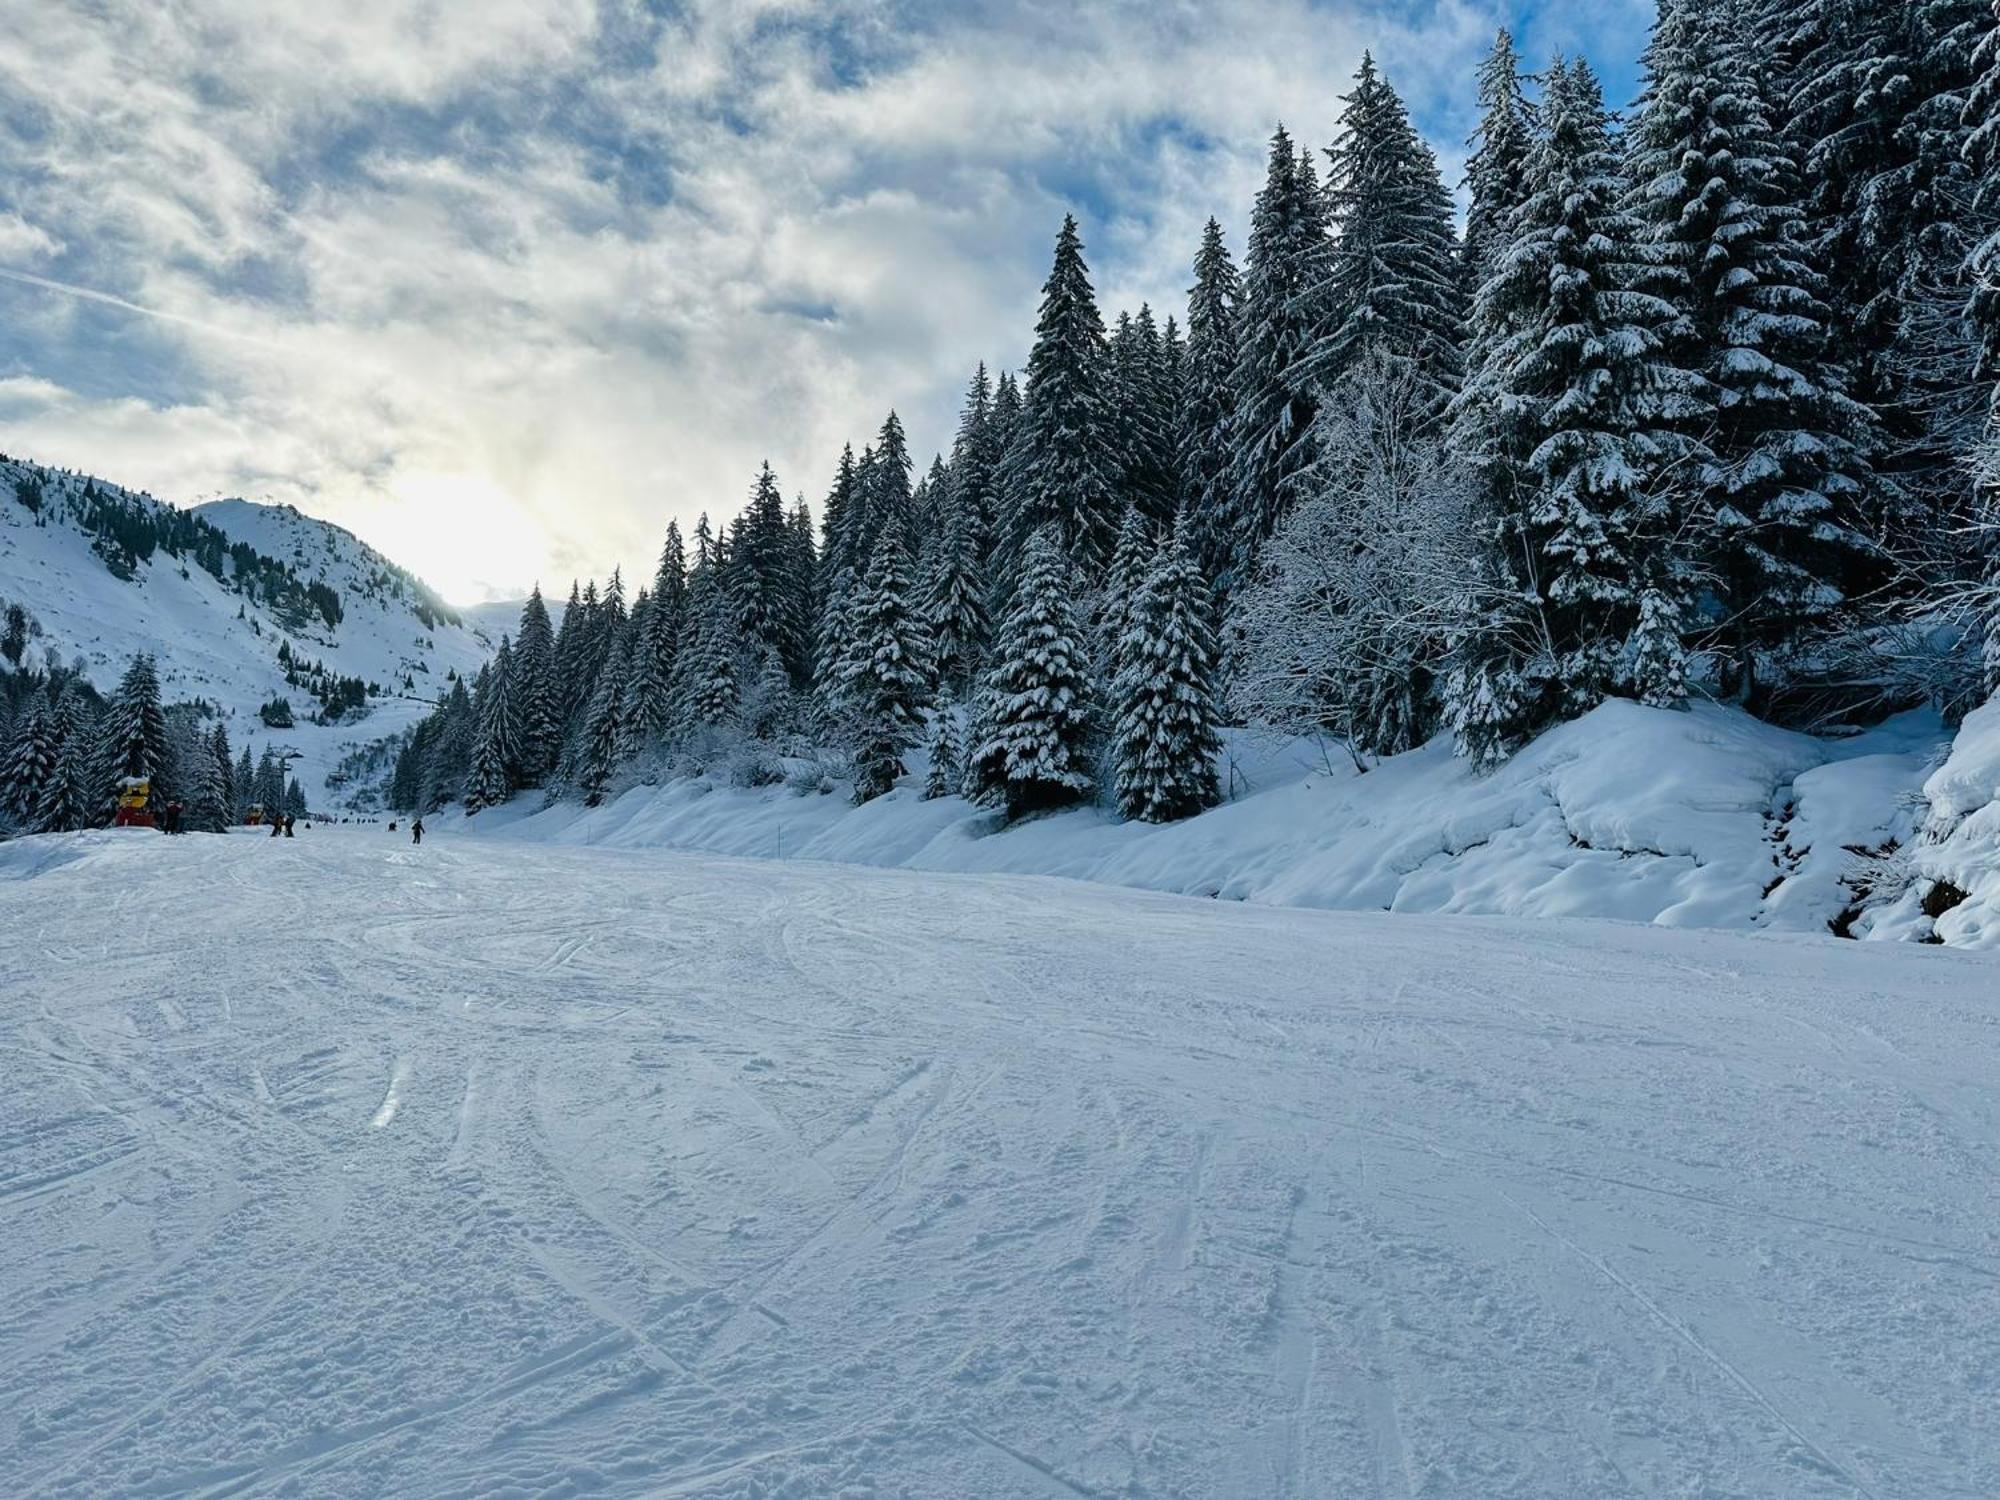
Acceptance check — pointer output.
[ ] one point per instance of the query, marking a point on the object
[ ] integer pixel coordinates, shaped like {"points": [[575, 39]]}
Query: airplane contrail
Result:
{"points": [[91, 294]]}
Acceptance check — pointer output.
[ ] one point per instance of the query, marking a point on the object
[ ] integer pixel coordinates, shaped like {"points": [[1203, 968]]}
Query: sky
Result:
{"points": [[503, 287]]}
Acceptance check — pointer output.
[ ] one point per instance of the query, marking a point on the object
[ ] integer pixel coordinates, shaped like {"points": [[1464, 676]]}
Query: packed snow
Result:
{"points": [[494, 1167]]}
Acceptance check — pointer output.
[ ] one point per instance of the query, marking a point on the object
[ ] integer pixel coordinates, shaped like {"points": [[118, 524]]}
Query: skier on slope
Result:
{"points": [[417, 831]]}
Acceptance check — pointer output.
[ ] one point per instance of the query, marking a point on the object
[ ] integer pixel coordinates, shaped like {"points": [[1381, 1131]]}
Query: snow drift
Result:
{"points": [[1704, 818]]}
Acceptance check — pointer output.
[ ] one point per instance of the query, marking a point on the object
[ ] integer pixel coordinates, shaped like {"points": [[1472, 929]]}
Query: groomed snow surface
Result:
{"points": [[336, 1167]]}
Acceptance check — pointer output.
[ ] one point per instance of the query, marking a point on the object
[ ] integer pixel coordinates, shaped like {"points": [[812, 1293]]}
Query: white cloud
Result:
{"points": [[410, 281]]}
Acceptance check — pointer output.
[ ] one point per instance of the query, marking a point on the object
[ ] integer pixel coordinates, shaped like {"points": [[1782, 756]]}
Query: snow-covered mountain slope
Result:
{"points": [[216, 593], [1706, 818], [550, 1171]]}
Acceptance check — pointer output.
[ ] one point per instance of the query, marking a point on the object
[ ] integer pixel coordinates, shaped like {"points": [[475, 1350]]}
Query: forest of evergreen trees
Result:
{"points": [[70, 747], [1700, 400]]}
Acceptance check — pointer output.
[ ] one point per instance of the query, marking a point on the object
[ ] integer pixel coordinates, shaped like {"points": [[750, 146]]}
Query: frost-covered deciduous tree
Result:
{"points": [[1367, 581]]}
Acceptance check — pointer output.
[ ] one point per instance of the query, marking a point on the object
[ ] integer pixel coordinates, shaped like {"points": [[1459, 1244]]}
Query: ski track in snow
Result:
{"points": [[494, 1169]]}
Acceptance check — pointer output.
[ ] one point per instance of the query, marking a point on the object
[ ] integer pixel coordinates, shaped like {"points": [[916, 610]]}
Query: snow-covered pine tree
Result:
{"points": [[955, 605], [1875, 118], [803, 588], [1658, 653], [1791, 476], [569, 658], [295, 800], [947, 757], [496, 753], [1494, 171], [537, 699], [1585, 400], [1163, 697], [1132, 563], [270, 781], [66, 796], [975, 465], [647, 711], [1011, 445], [1982, 153], [219, 745], [1031, 738], [840, 518], [1071, 473], [885, 680], [133, 736], [1981, 150], [1207, 398], [710, 666], [207, 807], [245, 786], [1393, 276], [1279, 318], [447, 756], [761, 578], [832, 644], [28, 768], [597, 751], [889, 498]]}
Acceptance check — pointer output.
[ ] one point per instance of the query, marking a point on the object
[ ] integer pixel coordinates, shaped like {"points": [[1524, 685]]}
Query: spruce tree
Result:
{"points": [[1071, 464], [1875, 120], [1163, 697], [841, 519], [68, 797], [1583, 399], [1658, 669], [761, 576], [134, 735], [1207, 398], [1031, 739], [1790, 477], [207, 809], [29, 767], [1285, 273], [975, 466], [648, 708], [496, 755], [537, 699], [1393, 279], [603, 735], [1494, 173], [946, 769], [884, 681], [955, 606], [245, 786], [709, 669]]}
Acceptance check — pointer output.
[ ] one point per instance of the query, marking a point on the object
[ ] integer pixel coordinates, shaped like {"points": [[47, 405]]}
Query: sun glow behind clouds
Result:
{"points": [[475, 541]]}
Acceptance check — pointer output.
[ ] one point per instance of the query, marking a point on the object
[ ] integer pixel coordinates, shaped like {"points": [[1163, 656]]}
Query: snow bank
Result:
{"points": [[1706, 818], [1953, 893]]}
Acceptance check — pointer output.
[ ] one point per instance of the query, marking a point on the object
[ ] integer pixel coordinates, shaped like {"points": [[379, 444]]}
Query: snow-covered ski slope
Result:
{"points": [[190, 620], [495, 1168]]}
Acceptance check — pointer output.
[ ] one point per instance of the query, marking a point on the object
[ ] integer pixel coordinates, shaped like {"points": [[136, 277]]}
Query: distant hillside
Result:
{"points": [[240, 603]]}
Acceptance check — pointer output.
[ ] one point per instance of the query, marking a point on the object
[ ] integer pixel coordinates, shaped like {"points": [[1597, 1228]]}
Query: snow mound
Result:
{"points": [[1704, 818], [1954, 864]]}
